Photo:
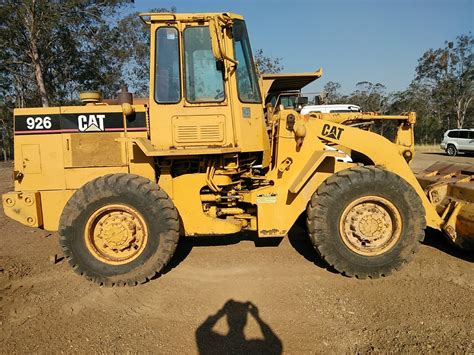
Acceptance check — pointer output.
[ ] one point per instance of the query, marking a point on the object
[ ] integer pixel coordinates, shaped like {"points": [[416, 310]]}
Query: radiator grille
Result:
{"points": [[199, 133]]}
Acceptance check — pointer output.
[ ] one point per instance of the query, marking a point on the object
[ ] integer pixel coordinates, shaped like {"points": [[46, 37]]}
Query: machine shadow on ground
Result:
{"points": [[186, 244], [300, 241], [236, 314], [297, 236], [436, 239]]}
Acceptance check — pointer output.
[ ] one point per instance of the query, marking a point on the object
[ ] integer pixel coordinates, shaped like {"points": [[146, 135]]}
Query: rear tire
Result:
{"points": [[119, 229], [366, 222], [451, 150]]}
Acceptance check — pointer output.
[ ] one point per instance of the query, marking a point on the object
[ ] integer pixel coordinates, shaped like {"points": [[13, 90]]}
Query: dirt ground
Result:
{"points": [[235, 294]]}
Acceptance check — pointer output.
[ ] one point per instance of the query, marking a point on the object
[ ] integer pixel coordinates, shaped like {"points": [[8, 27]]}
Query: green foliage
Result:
{"points": [[371, 97], [331, 94], [265, 64], [62, 45], [51, 50], [448, 74], [441, 93], [418, 98], [133, 44]]}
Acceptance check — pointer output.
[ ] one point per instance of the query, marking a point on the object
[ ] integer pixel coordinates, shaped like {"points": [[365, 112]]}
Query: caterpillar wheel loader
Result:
{"points": [[121, 179]]}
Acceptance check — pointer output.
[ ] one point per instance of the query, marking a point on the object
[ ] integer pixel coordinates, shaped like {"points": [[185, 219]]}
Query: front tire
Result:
{"points": [[119, 229], [366, 222], [451, 150]]}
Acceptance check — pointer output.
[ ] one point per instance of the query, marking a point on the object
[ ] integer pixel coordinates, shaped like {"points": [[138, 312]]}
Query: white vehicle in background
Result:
{"points": [[339, 108], [458, 140]]}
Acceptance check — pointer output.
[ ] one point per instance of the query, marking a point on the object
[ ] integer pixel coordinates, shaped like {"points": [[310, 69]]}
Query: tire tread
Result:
{"points": [[117, 184], [318, 210]]}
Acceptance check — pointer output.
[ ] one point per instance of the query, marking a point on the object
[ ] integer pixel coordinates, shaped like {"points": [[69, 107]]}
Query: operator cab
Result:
{"points": [[289, 100], [204, 91]]}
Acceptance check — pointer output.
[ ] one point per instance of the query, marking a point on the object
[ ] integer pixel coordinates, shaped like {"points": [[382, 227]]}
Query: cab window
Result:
{"points": [[167, 75], [203, 74], [288, 101], [247, 85]]}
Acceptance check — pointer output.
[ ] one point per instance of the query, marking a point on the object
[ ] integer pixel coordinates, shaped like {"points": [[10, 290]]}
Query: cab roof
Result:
{"points": [[149, 17], [288, 82]]}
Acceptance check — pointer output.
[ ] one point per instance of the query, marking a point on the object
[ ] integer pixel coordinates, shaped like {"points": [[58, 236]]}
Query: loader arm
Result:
{"points": [[404, 138], [301, 162]]}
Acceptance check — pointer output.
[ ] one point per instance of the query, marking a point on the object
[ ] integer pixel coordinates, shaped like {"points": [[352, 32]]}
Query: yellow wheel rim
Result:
{"points": [[370, 225], [116, 234]]}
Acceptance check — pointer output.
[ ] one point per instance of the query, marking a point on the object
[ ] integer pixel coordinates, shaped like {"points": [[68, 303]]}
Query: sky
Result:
{"points": [[352, 40]]}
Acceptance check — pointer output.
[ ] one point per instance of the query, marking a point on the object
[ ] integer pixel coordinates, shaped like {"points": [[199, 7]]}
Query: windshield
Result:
{"points": [[247, 85], [288, 101]]}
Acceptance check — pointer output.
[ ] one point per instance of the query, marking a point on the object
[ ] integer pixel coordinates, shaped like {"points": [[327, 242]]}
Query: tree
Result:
{"points": [[418, 98], [55, 47], [5, 136], [330, 92], [449, 72], [369, 96], [133, 37], [265, 64], [373, 98], [51, 50]]}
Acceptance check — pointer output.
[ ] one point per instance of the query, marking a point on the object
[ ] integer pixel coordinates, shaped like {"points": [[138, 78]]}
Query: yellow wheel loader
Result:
{"points": [[122, 179]]}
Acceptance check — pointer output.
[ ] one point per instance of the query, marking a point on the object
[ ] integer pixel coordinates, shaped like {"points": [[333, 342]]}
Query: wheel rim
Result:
{"points": [[450, 150], [370, 225], [116, 234]]}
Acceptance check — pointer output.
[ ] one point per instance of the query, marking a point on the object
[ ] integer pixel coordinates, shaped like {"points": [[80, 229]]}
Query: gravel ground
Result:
{"points": [[235, 294]]}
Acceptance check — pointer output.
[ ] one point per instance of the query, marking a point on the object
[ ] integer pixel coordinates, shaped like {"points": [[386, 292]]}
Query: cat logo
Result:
{"points": [[91, 123], [332, 132]]}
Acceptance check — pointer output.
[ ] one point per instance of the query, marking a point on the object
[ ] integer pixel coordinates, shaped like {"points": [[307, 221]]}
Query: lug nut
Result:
{"points": [[9, 202]]}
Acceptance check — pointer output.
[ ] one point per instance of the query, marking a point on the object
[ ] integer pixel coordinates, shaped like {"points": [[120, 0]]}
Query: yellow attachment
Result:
{"points": [[404, 139], [450, 188], [24, 207], [382, 153]]}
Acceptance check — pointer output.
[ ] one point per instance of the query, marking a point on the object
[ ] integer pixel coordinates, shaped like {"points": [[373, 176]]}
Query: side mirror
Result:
{"points": [[318, 100], [301, 101], [216, 24], [216, 40]]}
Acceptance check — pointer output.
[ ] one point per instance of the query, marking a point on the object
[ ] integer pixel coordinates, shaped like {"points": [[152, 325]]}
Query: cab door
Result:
{"points": [[190, 107]]}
